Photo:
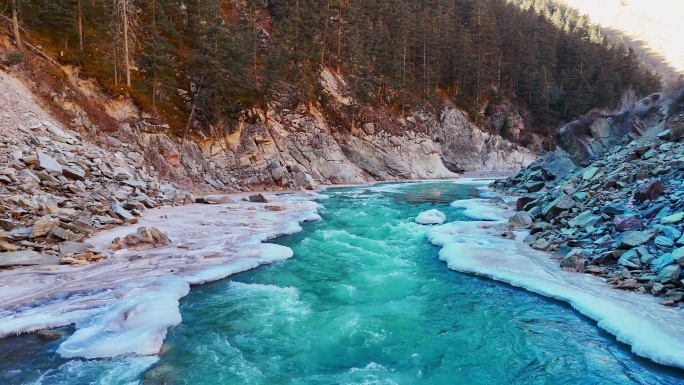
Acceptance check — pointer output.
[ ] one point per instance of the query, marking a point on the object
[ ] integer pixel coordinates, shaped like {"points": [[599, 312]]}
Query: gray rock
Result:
{"points": [[557, 165], [26, 258], [143, 239], [630, 259], [28, 175], [645, 256], [669, 274], [74, 172], [633, 239], [661, 262], [585, 219], [574, 261], [678, 256], [657, 288], [215, 199], [48, 163], [122, 212], [663, 242], [672, 219], [559, 205], [258, 198], [71, 247], [670, 232], [521, 219], [43, 227]]}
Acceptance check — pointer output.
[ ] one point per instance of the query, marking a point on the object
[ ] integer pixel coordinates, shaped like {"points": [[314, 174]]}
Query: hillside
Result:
{"points": [[202, 66]]}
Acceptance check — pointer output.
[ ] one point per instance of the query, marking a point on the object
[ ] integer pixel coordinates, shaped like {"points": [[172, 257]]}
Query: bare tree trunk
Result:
{"points": [[325, 31], [81, 43], [15, 25], [339, 37], [116, 66], [126, 52]]}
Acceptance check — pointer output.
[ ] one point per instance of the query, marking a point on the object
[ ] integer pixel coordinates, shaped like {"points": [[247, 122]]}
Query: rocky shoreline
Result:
{"points": [[609, 201]]}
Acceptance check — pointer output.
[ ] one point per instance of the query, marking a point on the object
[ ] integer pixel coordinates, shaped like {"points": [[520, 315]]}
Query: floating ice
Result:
{"points": [[652, 330], [431, 217]]}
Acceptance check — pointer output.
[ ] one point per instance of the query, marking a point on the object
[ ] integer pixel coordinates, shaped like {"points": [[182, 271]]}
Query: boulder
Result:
{"points": [[534, 186], [48, 163], [559, 205], [142, 239], [669, 274], [557, 164], [71, 247], [43, 227], [673, 219], [633, 239], [122, 212], [26, 258], [74, 172], [663, 242], [662, 262], [574, 261], [520, 219], [630, 260], [670, 232], [585, 219], [649, 191], [215, 199], [627, 223], [257, 198], [523, 201]]}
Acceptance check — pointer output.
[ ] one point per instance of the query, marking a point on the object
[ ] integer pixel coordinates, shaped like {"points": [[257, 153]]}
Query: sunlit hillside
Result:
{"points": [[652, 27]]}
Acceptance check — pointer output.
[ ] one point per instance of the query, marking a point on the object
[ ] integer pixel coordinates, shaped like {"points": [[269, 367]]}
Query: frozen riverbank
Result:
{"points": [[126, 303], [652, 331]]}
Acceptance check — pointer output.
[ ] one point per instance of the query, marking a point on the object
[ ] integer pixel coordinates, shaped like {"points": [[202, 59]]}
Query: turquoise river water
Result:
{"points": [[365, 300]]}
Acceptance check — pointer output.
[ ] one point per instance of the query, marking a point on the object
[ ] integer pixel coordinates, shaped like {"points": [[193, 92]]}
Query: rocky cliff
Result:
{"points": [[305, 144]]}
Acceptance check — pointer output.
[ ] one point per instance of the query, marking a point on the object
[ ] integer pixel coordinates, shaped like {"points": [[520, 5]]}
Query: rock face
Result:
{"points": [[612, 201]]}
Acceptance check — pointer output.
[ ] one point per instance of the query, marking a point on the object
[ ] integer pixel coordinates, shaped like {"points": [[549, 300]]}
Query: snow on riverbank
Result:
{"points": [[126, 303], [652, 330]]}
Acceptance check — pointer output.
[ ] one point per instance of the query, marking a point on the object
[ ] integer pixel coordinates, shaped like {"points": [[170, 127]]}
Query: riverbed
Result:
{"points": [[364, 300]]}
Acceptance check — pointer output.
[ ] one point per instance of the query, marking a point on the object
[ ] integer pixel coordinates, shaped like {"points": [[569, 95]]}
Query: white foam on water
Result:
{"points": [[140, 304], [479, 209], [126, 371], [431, 217], [652, 330], [474, 181]]}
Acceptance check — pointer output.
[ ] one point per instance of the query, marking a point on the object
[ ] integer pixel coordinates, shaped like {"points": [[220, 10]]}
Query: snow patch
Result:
{"points": [[431, 217]]}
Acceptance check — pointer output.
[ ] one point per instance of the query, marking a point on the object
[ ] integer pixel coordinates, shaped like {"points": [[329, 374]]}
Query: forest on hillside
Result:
{"points": [[208, 61]]}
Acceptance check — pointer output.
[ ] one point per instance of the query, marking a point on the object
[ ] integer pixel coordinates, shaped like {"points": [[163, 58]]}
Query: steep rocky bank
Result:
{"points": [[608, 202], [62, 179]]}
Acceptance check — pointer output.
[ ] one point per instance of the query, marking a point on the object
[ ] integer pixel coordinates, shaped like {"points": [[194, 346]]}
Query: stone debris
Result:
{"points": [[56, 190], [611, 206], [143, 239]]}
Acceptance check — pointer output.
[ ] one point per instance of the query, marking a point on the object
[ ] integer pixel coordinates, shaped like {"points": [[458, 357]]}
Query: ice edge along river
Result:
{"points": [[652, 330]]}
